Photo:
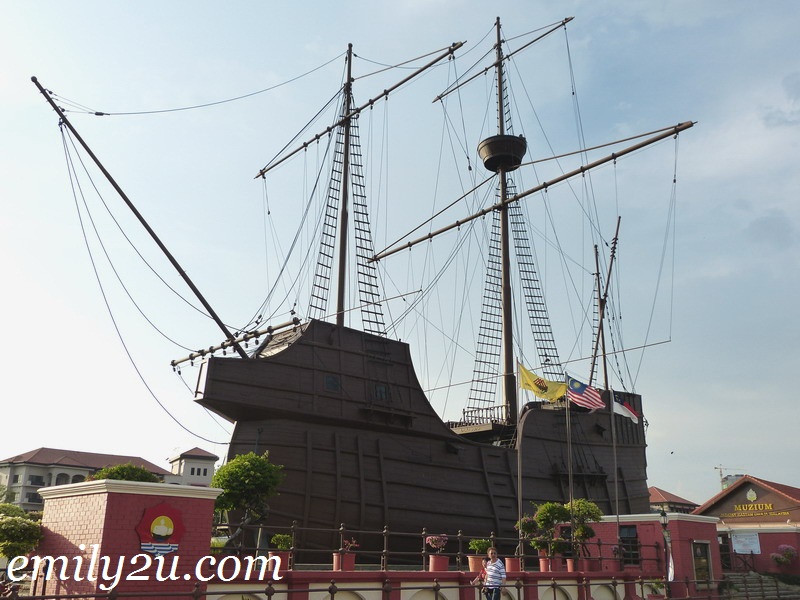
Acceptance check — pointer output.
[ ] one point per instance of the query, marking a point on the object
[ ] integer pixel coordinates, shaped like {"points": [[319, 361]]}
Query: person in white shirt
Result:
{"points": [[495, 576]]}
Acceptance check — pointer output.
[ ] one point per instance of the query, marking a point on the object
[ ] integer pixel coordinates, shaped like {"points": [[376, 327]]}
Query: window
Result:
{"points": [[36, 480], [205, 472], [381, 393], [78, 478], [62, 478], [192, 471], [33, 497], [11, 496], [15, 479], [333, 383], [629, 544]]}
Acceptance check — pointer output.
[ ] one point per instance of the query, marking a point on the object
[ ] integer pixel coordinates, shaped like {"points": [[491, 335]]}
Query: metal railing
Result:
{"points": [[576, 586], [399, 550]]}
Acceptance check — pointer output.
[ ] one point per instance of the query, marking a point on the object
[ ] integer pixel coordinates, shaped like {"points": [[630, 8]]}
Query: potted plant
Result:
{"points": [[529, 530], [345, 559], [438, 562], [548, 517], [656, 590], [283, 543], [783, 556], [479, 546], [541, 544], [582, 512]]}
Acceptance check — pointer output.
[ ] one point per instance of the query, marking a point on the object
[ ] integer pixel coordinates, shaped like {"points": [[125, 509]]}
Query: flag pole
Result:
{"points": [[520, 438], [569, 442], [601, 341]]}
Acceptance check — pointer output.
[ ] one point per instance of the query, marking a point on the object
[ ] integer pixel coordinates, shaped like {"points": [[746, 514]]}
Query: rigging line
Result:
{"points": [[431, 218], [595, 232], [208, 412], [136, 250], [102, 245], [664, 247], [207, 104], [303, 130], [537, 367], [591, 148], [295, 240], [388, 67], [111, 314], [554, 27]]}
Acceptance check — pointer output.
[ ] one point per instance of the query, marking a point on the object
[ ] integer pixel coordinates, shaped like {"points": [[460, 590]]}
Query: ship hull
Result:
{"points": [[343, 412]]}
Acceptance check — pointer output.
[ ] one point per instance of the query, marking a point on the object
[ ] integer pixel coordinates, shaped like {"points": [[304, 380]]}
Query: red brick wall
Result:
{"points": [[67, 523], [109, 517]]}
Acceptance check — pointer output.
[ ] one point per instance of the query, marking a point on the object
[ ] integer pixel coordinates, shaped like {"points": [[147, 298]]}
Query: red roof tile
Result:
{"points": [[77, 458]]}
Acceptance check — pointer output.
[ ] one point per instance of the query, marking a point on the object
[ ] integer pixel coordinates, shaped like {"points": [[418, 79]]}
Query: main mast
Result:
{"points": [[344, 215], [503, 153]]}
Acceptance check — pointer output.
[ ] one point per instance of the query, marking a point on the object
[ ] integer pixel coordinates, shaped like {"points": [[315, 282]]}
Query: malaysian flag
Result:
{"points": [[583, 395]]}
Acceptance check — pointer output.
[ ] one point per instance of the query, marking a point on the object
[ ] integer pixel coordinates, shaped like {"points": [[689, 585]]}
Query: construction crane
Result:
{"points": [[722, 470]]}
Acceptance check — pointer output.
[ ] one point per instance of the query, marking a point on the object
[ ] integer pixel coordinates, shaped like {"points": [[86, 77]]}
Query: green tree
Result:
{"points": [[582, 512], [18, 534], [247, 482], [126, 472], [548, 516], [11, 510]]}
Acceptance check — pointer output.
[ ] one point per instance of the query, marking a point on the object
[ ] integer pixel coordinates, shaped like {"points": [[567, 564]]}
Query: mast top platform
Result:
{"points": [[502, 152]]}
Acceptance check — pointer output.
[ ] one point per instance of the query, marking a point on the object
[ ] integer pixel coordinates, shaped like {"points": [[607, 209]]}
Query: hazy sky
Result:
{"points": [[720, 393]]}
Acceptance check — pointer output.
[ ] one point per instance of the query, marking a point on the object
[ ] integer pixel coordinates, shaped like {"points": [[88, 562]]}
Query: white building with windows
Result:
{"points": [[24, 474], [193, 467]]}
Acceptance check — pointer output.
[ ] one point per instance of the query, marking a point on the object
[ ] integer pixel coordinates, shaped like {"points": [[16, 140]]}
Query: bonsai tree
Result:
{"points": [[548, 516], [480, 546], [247, 482], [282, 541], [19, 534], [126, 472], [582, 512]]}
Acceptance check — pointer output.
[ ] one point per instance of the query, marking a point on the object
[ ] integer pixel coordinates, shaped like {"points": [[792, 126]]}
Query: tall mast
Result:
{"points": [[503, 153], [344, 215], [509, 380]]}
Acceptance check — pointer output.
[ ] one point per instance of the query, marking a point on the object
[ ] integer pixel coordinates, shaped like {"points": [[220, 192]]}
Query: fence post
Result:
{"points": [[459, 555], [424, 551], [385, 551]]}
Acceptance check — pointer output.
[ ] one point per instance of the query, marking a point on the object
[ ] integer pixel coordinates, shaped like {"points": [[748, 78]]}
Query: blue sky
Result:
{"points": [[716, 394]]}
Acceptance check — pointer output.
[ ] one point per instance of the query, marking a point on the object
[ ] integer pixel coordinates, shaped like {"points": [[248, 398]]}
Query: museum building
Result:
{"points": [[758, 525]]}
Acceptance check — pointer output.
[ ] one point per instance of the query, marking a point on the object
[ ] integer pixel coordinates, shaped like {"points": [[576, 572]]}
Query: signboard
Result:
{"points": [[745, 543]]}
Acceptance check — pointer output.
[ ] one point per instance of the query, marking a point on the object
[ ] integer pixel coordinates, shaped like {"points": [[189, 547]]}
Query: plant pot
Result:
{"points": [[475, 562], [544, 562], [513, 564], [344, 561], [283, 556], [588, 564], [439, 562], [570, 565]]}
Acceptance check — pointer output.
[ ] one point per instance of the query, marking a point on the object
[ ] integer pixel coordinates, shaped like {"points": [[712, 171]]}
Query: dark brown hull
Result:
{"points": [[343, 411]]}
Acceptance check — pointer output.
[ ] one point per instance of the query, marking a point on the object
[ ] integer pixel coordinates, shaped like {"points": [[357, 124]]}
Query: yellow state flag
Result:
{"points": [[549, 390]]}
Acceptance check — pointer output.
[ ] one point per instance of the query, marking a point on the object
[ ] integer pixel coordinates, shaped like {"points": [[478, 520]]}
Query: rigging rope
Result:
{"points": [[73, 182], [99, 113]]}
